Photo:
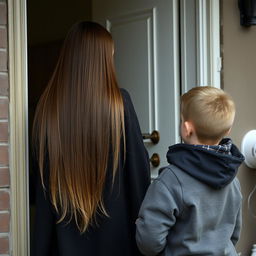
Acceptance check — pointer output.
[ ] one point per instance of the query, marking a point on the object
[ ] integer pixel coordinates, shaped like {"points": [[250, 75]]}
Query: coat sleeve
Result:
{"points": [[137, 169], [158, 213], [44, 222]]}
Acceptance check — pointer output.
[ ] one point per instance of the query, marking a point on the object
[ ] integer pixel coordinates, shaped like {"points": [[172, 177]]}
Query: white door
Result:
{"points": [[147, 62]]}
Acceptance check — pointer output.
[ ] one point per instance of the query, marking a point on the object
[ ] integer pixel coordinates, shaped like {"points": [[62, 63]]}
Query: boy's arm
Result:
{"points": [[237, 229], [161, 206], [238, 225]]}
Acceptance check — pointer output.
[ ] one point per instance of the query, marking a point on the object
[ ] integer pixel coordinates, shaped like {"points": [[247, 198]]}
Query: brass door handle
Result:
{"points": [[155, 160], [154, 136]]}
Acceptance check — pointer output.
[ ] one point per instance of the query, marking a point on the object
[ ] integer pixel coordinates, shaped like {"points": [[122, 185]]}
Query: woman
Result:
{"points": [[93, 165]]}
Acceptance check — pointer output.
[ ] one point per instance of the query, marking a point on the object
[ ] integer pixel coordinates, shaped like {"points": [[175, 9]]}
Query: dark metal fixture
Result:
{"points": [[247, 12]]}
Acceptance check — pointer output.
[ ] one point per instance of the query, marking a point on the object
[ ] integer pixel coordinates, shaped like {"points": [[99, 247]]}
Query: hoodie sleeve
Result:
{"points": [[238, 225], [237, 229], [162, 205]]}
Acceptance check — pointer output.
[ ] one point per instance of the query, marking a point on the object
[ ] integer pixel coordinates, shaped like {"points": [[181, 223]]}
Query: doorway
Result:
{"points": [[48, 22], [154, 64]]}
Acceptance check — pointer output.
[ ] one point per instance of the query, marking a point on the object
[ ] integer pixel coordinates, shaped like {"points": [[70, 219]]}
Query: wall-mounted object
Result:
{"points": [[247, 12], [248, 148]]}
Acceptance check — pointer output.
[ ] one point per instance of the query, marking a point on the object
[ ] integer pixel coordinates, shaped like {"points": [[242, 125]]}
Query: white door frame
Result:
{"points": [[208, 67], [200, 43], [17, 31], [208, 51]]}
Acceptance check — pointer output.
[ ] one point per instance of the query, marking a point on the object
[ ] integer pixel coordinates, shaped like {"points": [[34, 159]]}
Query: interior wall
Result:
{"points": [[52, 19], [239, 79], [48, 23]]}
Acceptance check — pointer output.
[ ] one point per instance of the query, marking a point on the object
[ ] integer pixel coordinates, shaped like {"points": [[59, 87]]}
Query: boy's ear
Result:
{"points": [[228, 132], [189, 128]]}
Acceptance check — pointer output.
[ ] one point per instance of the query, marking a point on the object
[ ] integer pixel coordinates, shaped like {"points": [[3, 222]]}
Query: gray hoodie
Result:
{"points": [[192, 213]]}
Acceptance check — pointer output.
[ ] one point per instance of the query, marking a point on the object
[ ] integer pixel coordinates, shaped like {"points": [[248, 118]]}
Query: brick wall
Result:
{"points": [[4, 135]]}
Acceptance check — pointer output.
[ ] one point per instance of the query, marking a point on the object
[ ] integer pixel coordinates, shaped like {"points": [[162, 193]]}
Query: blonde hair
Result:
{"points": [[211, 110], [79, 124]]}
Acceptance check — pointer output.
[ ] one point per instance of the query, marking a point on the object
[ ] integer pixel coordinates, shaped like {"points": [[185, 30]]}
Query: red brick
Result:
{"points": [[4, 200], [4, 177], [3, 38], [4, 85], [3, 14], [4, 134], [4, 108], [5, 222], [4, 245], [3, 61], [4, 156]]}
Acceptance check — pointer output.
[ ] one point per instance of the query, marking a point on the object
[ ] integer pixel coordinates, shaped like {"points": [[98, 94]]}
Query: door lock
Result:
{"points": [[155, 160], [154, 136]]}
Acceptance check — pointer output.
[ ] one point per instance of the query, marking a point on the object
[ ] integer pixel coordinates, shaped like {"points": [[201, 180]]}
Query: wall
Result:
{"points": [[239, 78], [52, 19], [4, 135], [47, 25]]}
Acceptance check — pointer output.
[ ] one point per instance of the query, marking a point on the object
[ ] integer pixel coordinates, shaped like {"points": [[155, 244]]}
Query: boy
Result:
{"points": [[194, 206]]}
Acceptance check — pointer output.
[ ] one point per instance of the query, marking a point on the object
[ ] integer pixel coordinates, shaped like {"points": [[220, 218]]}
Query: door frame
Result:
{"points": [[208, 67], [17, 39], [204, 44]]}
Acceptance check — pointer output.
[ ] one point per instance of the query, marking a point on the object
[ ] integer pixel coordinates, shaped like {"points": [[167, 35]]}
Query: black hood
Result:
{"points": [[209, 166]]}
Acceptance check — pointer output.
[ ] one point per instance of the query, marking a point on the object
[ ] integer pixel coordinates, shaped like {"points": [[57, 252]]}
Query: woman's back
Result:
{"points": [[113, 235]]}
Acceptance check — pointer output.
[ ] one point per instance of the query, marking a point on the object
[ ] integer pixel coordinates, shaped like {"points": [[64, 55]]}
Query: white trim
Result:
{"points": [[183, 46], [202, 43], [200, 33], [155, 67], [176, 67], [208, 50], [18, 127], [188, 44], [214, 27]]}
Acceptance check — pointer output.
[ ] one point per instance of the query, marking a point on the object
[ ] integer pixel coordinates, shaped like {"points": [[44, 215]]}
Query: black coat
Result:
{"points": [[114, 235]]}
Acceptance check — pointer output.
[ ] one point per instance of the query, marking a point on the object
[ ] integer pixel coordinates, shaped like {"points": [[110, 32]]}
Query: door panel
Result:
{"points": [[147, 63], [134, 64]]}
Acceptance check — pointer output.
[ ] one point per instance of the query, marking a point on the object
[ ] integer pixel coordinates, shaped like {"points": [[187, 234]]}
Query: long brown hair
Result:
{"points": [[79, 120]]}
